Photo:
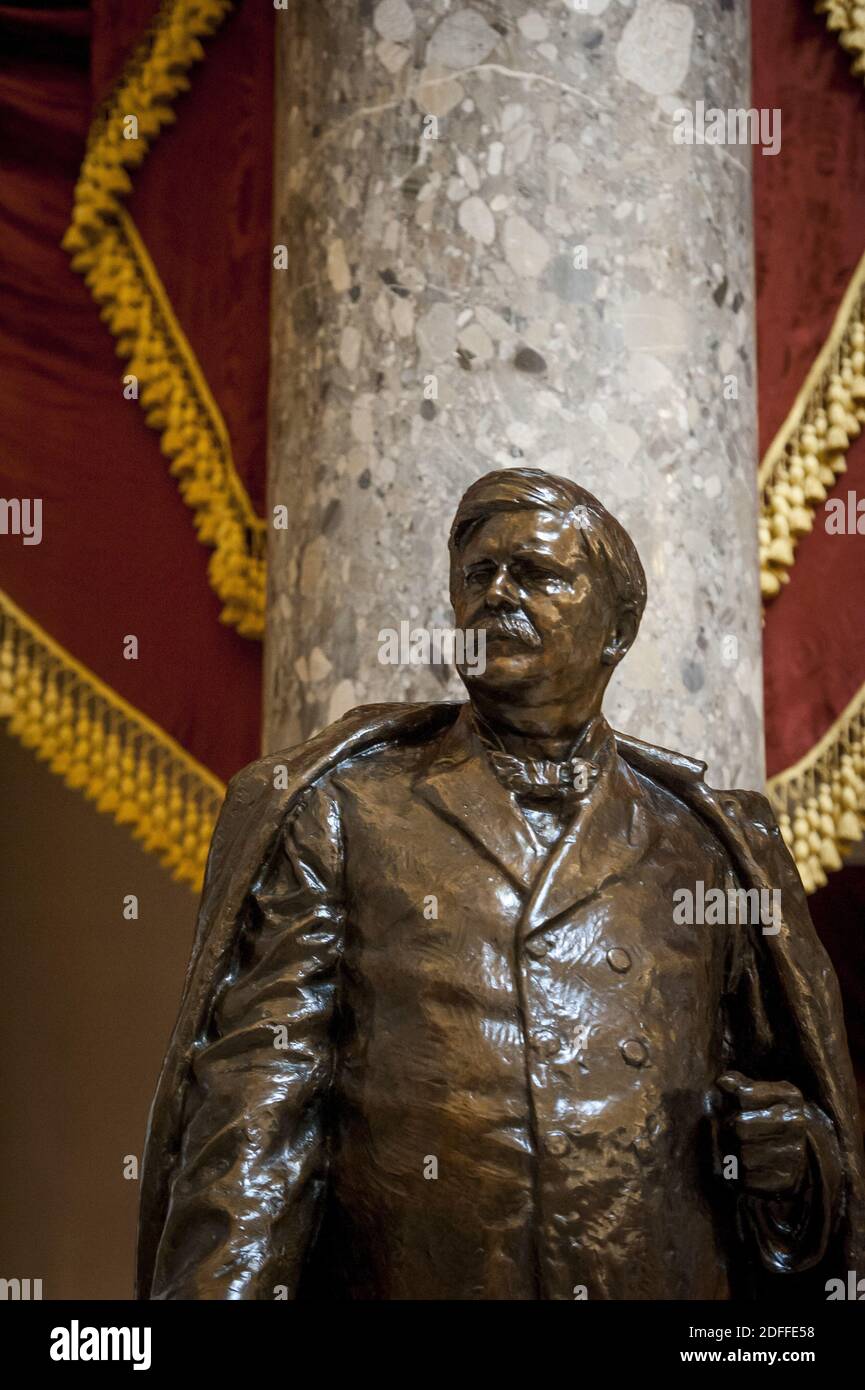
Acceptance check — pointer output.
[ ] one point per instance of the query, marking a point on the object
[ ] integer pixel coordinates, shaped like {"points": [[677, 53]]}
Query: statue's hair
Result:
{"points": [[517, 489]]}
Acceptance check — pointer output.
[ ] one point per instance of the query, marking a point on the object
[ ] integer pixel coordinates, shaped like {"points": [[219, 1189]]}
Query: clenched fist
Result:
{"points": [[770, 1125]]}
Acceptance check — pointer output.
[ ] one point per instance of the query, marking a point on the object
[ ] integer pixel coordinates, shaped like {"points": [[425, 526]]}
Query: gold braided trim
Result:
{"points": [[809, 451], [108, 250], [178, 403], [101, 745], [820, 801], [846, 18]]}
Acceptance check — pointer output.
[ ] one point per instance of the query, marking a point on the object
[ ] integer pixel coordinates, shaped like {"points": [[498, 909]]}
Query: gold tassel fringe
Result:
{"points": [[108, 251], [153, 78], [99, 744], [809, 451], [820, 801], [846, 18]]}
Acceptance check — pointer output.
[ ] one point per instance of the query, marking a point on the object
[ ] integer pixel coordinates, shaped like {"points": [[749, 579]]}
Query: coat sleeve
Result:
{"points": [[795, 1032], [247, 1193], [790, 1234]]}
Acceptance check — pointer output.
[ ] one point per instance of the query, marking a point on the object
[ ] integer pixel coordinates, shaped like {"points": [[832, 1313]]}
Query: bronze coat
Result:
{"points": [[562, 1160]]}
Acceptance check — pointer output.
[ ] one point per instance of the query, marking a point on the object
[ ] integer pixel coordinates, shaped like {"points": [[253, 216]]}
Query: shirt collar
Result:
{"points": [[591, 741]]}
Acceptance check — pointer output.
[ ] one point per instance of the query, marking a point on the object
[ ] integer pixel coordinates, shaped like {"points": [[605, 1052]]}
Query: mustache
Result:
{"points": [[515, 625]]}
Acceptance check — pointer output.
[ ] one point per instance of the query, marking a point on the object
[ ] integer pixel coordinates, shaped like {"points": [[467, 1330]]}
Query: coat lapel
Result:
{"points": [[609, 832], [461, 787]]}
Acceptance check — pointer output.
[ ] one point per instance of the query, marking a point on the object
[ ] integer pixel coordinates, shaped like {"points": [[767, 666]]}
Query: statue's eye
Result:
{"points": [[481, 573], [530, 573]]}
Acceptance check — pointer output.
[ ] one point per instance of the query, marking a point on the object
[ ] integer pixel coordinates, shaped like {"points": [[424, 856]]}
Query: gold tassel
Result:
{"points": [[846, 19], [100, 745], [107, 250], [808, 454], [820, 801]]}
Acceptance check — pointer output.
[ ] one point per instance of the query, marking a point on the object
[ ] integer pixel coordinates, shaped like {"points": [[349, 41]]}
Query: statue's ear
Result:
{"points": [[621, 638]]}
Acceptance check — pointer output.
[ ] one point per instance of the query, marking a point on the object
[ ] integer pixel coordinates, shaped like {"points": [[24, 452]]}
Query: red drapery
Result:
{"points": [[118, 536], [809, 211], [119, 554], [809, 216]]}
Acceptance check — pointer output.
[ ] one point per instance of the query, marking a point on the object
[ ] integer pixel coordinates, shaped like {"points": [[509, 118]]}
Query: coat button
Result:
{"points": [[537, 947], [618, 959], [546, 1044], [635, 1053], [557, 1144]]}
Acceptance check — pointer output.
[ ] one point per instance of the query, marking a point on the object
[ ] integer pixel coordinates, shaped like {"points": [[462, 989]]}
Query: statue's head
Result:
{"points": [[553, 580]]}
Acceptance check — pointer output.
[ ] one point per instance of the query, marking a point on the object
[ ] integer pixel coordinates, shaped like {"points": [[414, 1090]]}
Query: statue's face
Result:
{"points": [[527, 579]]}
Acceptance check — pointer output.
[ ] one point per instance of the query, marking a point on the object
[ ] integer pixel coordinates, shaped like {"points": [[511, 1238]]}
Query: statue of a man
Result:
{"points": [[445, 1033]]}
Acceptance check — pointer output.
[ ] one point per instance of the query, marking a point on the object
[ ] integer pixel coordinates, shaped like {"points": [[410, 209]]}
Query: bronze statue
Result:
{"points": [[444, 1033]]}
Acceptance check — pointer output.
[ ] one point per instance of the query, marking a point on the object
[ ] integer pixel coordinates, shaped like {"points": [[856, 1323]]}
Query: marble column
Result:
{"points": [[491, 250]]}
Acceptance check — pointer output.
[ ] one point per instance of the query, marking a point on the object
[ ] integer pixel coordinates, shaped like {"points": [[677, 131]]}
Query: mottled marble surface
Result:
{"points": [[496, 254]]}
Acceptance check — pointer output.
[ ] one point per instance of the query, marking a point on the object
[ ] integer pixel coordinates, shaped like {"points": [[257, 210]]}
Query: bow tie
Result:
{"points": [[542, 780]]}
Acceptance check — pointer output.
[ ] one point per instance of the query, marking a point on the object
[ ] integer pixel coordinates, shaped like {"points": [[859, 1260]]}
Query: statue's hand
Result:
{"points": [[770, 1124]]}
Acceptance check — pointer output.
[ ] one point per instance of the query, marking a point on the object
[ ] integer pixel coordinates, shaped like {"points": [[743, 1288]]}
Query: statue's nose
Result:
{"points": [[502, 591]]}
